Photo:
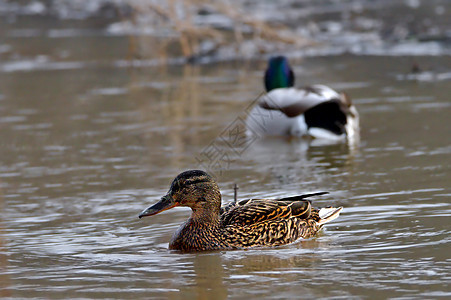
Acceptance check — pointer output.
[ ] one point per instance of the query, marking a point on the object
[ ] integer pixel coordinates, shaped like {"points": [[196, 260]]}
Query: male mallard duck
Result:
{"points": [[316, 111], [247, 223]]}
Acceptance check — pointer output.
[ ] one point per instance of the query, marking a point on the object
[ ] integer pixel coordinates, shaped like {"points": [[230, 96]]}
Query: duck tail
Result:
{"points": [[328, 115], [328, 214]]}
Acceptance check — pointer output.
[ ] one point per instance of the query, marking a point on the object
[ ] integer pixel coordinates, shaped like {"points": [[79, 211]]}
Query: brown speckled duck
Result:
{"points": [[245, 224]]}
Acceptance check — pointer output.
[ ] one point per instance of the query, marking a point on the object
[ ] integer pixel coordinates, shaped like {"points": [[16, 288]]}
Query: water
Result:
{"points": [[87, 143]]}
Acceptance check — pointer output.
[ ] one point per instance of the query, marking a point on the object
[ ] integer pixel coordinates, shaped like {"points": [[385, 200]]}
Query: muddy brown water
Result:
{"points": [[86, 146]]}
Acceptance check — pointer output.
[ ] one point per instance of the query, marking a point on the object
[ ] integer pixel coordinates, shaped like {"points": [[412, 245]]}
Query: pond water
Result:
{"points": [[87, 144]]}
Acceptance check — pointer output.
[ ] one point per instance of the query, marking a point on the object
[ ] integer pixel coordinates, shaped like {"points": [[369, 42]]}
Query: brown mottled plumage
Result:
{"points": [[247, 223]]}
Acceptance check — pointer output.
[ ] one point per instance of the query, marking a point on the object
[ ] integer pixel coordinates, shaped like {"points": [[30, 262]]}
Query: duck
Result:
{"points": [[316, 111], [241, 224]]}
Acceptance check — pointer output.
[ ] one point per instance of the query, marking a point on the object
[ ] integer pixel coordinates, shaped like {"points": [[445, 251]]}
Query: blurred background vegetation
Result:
{"points": [[199, 30]]}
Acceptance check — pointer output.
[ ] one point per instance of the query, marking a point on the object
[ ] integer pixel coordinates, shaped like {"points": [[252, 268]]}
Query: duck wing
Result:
{"points": [[294, 102], [273, 222], [253, 211]]}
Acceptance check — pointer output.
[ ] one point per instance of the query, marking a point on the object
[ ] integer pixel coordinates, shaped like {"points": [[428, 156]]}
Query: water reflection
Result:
{"points": [[5, 281], [214, 272], [299, 166], [208, 282], [179, 106]]}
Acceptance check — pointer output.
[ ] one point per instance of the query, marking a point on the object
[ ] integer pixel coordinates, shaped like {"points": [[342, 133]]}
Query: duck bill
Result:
{"points": [[165, 203]]}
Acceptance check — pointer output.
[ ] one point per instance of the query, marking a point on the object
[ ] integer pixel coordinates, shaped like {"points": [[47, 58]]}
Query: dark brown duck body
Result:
{"points": [[248, 223]]}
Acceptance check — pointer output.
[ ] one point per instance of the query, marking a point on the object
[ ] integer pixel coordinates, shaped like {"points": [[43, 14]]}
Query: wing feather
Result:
{"points": [[254, 211], [294, 102]]}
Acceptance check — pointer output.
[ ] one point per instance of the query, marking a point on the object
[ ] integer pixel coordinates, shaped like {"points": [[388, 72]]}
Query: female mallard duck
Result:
{"points": [[247, 223], [316, 111]]}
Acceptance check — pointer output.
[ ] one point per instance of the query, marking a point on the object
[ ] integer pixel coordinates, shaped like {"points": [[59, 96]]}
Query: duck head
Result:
{"points": [[195, 189], [278, 74]]}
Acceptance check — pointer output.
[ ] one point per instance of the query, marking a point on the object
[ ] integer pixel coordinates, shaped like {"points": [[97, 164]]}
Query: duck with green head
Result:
{"points": [[243, 224], [316, 111]]}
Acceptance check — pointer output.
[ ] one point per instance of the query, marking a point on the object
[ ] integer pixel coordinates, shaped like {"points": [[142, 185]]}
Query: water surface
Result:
{"points": [[87, 144]]}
